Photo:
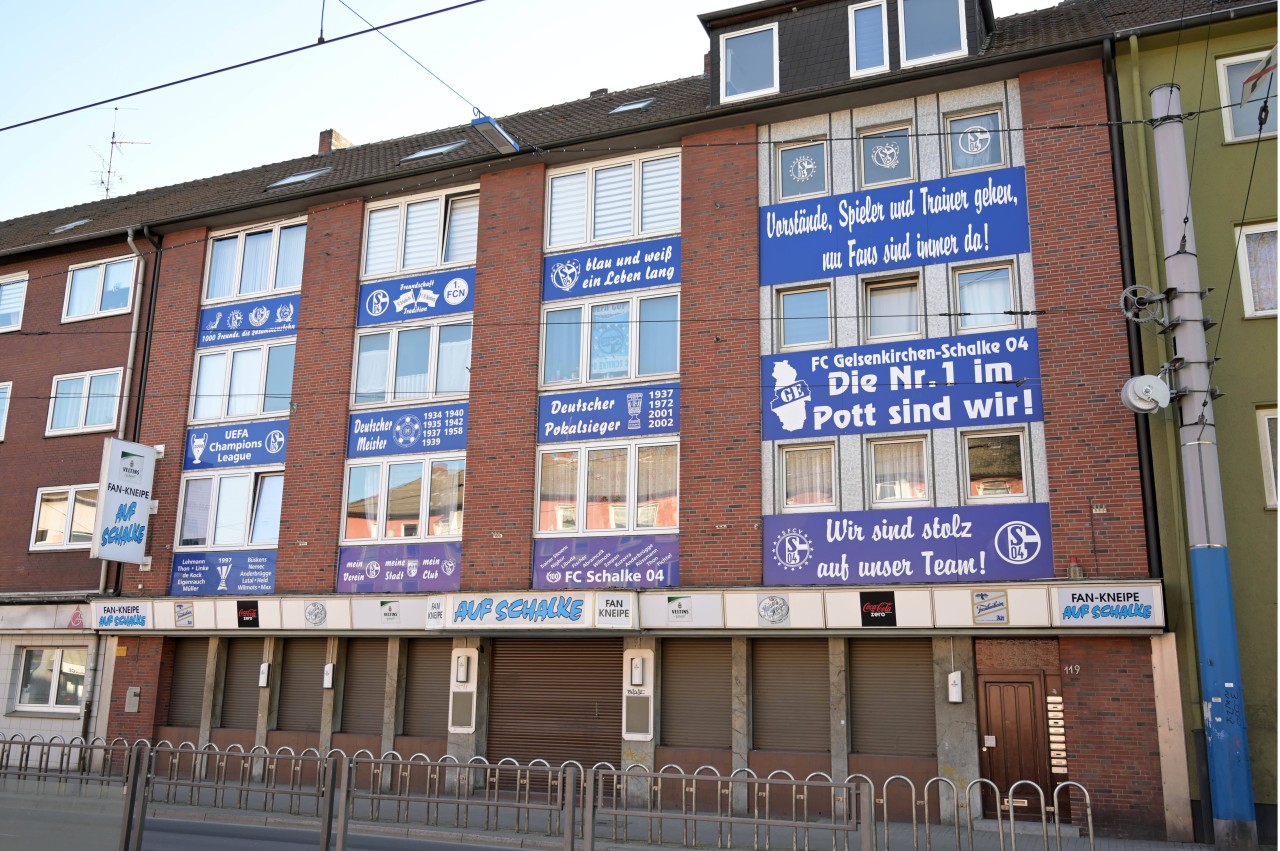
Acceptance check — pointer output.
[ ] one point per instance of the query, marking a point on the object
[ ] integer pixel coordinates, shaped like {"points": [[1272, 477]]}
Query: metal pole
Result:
{"points": [[1221, 692], [569, 789]]}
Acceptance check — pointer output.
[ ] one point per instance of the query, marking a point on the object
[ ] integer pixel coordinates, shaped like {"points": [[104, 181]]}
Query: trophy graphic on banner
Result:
{"points": [[198, 443], [223, 571], [633, 409]]}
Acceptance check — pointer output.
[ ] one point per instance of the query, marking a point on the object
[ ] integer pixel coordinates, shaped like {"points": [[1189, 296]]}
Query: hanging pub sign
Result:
{"points": [[124, 501]]}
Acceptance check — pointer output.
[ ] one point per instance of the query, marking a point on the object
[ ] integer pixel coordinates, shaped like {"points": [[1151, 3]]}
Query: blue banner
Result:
{"points": [[613, 268], [624, 561], [223, 573], [243, 321], [399, 568], [943, 382], [240, 445], [407, 431], [417, 297], [965, 217], [619, 412], [967, 543]]}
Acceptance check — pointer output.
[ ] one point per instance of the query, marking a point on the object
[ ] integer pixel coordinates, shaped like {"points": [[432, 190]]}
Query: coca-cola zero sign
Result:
{"points": [[878, 608]]}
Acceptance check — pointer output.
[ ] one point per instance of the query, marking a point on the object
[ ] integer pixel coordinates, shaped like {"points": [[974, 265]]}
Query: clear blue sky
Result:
{"points": [[503, 55]]}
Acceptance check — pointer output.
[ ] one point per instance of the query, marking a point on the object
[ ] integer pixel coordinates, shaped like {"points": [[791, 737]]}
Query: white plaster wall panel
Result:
{"points": [[769, 487], [767, 320], [947, 466], [764, 175], [952, 607], [1017, 139], [760, 610], [1039, 463], [1028, 606], [928, 139], [47, 723], [939, 301], [849, 456], [848, 304], [842, 167]]}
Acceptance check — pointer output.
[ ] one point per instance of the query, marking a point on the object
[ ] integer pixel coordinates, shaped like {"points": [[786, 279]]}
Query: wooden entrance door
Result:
{"points": [[1013, 743]]}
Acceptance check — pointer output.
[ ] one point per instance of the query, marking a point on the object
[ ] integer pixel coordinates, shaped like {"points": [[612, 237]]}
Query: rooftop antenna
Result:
{"points": [[108, 177]]}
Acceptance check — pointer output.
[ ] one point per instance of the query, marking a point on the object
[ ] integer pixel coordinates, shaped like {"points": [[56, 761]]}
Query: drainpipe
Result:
{"points": [[1146, 471]]}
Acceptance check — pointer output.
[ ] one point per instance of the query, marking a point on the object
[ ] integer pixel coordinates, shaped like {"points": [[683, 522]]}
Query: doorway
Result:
{"points": [[1013, 739]]}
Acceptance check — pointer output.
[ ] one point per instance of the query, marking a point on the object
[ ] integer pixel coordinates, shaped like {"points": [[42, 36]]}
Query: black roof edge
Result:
{"points": [[1228, 14]]}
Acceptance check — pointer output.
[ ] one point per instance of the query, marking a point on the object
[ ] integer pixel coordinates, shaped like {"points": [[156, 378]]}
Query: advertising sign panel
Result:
{"points": [[124, 501], [611, 268]]}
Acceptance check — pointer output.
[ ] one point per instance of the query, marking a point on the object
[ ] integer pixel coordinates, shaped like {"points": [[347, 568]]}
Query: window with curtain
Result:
{"points": [[85, 401], [411, 363], [808, 476], [899, 471], [231, 509], [64, 517], [421, 233], [1240, 117], [13, 294], [893, 309], [100, 289], [985, 297], [610, 488], [404, 498], [804, 317], [619, 339], [614, 201], [6, 390], [256, 261], [52, 678], [1257, 264], [975, 141], [245, 381]]}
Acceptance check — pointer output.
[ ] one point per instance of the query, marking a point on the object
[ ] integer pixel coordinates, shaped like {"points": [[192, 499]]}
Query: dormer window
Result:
{"points": [[868, 38], [749, 63], [930, 30]]}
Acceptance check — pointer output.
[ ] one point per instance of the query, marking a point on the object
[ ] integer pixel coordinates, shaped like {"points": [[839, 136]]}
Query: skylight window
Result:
{"points": [[436, 151], [69, 226], [301, 177], [631, 106]]}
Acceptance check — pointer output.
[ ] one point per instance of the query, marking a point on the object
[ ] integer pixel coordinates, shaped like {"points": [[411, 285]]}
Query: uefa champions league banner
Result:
{"points": [[950, 220], [417, 297], [622, 561], [945, 382], [400, 568], [920, 546], [239, 445], [213, 574], [612, 268], [243, 321]]}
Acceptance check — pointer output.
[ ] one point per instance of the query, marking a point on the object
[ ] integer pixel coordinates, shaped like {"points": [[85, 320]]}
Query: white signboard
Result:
{"points": [[122, 614], [1107, 605], [124, 501], [538, 610]]}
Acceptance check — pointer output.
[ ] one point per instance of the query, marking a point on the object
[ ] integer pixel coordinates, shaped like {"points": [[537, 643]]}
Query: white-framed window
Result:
{"points": [[606, 340], [899, 472], [231, 509], [614, 200], [804, 317], [84, 401], [52, 679], [808, 476], [802, 170], [609, 487], [256, 261], [930, 30], [885, 156], [412, 363], [893, 309], [975, 141], [6, 392], [995, 465], [13, 294], [421, 233], [868, 38], [1256, 259], [243, 381], [404, 498], [1240, 117], [99, 289], [1267, 443], [984, 297], [749, 63], [64, 517]]}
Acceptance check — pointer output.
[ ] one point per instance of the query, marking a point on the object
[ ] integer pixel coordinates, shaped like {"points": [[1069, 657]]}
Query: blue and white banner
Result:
{"points": [[623, 561], [240, 445], [223, 573], [417, 297], [938, 383], [599, 414], [400, 568], [953, 219], [245, 321], [967, 543], [613, 268], [408, 431]]}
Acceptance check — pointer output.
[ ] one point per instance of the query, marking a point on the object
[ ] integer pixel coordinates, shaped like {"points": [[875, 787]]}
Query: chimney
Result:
{"points": [[332, 140], [598, 92]]}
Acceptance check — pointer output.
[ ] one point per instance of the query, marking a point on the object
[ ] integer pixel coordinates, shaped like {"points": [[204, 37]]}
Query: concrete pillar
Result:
{"points": [[956, 723], [838, 668], [740, 653], [393, 691], [331, 698], [463, 746], [211, 700], [268, 698], [640, 752]]}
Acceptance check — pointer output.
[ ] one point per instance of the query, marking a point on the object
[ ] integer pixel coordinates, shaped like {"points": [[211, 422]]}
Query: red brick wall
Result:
{"points": [[497, 543], [720, 361], [1112, 731], [168, 390], [147, 663], [1015, 654], [310, 516], [1084, 358], [30, 358]]}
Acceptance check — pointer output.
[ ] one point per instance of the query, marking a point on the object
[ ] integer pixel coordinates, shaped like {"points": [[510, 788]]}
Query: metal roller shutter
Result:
{"points": [[697, 692], [186, 688], [364, 685], [891, 696], [240, 683], [556, 699], [301, 685], [790, 695], [426, 687]]}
